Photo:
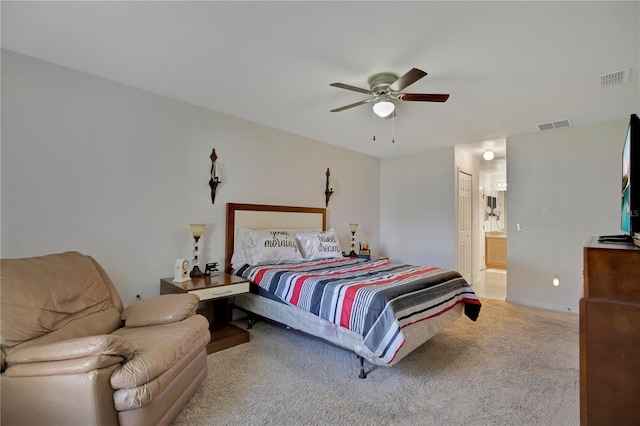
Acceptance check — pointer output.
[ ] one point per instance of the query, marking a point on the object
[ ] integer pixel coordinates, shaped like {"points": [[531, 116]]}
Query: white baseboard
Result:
{"points": [[543, 305]]}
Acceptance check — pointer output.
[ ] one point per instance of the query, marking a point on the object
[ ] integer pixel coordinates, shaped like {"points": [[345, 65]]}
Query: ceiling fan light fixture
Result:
{"points": [[488, 155], [383, 108]]}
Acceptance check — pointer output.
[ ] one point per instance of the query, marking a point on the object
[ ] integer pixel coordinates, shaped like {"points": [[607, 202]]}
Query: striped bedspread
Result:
{"points": [[374, 298]]}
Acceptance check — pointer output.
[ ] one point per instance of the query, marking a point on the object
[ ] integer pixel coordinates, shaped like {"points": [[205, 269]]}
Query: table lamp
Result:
{"points": [[196, 231], [353, 227]]}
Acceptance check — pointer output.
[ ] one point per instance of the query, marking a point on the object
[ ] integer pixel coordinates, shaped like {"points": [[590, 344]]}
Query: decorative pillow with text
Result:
{"points": [[319, 245], [269, 247]]}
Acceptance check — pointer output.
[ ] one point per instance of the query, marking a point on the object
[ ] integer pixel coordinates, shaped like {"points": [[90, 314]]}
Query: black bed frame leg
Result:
{"points": [[250, 322], [362, 374]]}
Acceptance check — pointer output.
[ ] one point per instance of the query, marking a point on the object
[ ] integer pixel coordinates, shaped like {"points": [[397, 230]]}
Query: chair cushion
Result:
{"points": [[163, 309], [43, 294], [157, 348]]}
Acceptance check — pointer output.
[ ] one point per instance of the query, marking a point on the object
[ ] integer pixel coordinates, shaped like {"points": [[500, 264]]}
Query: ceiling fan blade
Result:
{"points": [[409, 78], [348, 87], [350, 106], [423, 97]]}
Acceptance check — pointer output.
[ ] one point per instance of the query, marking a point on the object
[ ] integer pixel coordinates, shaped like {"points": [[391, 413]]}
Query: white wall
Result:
{"points": [[118, 173], [417, 217], [564, 187]]}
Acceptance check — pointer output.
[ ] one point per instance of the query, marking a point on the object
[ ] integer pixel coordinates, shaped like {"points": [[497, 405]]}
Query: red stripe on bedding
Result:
{"points": [[396, 352], [448, 308], [259, 275], [472, 301], [299, 283], [263, 270], [350, 293], [463, 300]]}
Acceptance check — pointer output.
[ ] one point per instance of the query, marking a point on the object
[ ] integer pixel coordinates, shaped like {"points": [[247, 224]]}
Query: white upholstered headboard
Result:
{"points": [[262, 216]]}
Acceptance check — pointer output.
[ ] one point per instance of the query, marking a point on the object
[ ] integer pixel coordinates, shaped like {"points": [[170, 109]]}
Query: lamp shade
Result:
{"points": [[383, 108], [197, 229], [353, 227]]}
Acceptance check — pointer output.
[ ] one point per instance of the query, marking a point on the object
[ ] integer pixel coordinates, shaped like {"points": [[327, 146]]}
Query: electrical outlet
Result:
{"points": [[138, 295]]}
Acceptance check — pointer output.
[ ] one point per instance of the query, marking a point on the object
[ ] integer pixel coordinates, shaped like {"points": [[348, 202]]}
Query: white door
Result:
{"points": [[464, 226]]}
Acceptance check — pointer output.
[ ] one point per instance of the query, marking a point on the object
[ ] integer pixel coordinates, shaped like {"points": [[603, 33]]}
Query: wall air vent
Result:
{"points": [[554, 125], [613, 78]]}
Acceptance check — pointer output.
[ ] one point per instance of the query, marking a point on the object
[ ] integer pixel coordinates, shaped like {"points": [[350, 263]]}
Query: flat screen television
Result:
{"points": [[630, 195], [630, 213]]}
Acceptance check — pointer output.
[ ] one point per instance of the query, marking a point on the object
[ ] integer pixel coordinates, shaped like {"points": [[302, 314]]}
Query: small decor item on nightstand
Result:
{"points": [[364, 251], [181, 271], [196, 231], [636, 239], [211, 269], [215, 176]]}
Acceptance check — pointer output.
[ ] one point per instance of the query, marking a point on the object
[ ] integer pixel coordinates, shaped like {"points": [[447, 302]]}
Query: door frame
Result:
{"points": [[474, 195]]}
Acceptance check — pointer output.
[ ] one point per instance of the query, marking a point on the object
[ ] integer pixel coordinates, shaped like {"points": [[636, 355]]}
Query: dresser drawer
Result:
{"points": [[221, 291]]}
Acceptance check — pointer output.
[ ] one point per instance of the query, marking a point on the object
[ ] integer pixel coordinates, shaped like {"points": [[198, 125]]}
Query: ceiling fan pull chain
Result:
{"points": [[374, 126], [393, 128]]}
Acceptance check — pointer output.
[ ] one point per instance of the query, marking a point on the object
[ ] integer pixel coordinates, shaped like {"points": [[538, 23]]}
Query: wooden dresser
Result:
{"points": [[610, 335]]}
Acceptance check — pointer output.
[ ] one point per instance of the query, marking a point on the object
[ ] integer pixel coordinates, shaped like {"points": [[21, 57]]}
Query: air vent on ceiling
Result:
{"points": [[554, 125], [613, 78]]}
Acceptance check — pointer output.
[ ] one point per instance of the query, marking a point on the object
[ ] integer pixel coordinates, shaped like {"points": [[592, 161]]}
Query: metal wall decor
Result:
{"points": [[215, 177], [328, 192]]}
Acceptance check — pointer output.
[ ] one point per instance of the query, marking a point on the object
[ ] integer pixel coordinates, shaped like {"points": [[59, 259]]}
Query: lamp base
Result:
{"points": [[196, 272]]}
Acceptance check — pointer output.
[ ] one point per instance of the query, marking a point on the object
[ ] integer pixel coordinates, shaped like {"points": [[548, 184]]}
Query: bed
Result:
{"points": [[378, 309]]}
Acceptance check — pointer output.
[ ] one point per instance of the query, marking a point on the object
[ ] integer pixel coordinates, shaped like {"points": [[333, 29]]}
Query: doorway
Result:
{"points": [[492, 280], [488, 206]]}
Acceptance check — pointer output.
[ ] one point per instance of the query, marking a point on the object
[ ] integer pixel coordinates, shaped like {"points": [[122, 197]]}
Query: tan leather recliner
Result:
{"points": [[71, 355]]}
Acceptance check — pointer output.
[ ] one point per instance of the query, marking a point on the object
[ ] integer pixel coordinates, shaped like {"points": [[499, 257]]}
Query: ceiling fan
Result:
{"points": [[386, 86]]}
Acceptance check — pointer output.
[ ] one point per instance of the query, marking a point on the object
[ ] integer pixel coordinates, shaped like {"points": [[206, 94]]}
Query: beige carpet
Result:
{"points": [[514, 366]]}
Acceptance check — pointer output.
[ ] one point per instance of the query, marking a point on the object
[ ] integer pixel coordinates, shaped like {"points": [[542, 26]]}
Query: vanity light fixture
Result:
{"points": [[328, 192]]}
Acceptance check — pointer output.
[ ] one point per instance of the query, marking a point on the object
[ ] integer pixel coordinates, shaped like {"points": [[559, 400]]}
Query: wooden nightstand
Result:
{"points": [[214, 305]]}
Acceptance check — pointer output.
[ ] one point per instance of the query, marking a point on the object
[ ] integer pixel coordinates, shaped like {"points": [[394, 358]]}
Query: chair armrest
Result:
{"points": [[165, 309], [64, 367], [81, 347]]}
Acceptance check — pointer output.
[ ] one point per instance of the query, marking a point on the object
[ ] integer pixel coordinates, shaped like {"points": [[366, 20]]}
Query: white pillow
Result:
{"points": [[319, 245], [264, 247], [240, 255]]}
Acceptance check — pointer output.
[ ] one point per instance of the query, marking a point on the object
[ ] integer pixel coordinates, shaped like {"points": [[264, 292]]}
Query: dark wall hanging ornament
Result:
{"points": [[328, 192], [215, 177]]}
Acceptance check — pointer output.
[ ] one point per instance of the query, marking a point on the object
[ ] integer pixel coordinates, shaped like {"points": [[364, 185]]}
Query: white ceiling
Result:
{"points": [[507, 65]]}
